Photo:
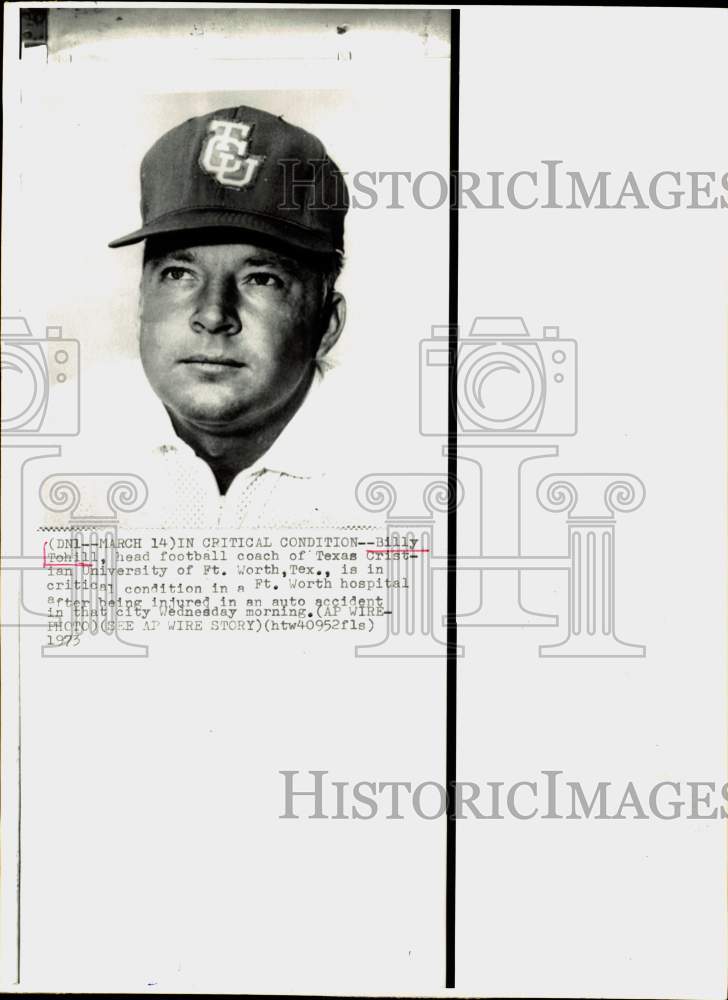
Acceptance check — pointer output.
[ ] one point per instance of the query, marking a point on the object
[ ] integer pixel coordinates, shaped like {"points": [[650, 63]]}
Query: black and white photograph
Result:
{"points": [[364, 486], [263, 407]]}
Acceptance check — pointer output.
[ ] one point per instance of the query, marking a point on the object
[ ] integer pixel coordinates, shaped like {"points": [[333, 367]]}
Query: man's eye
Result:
{"points": [[176, 274], [263, 279]]}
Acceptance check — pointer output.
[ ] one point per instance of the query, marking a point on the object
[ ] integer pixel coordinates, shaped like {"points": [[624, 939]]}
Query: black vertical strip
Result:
{"points": [[33, 29], [18, 871], [452, 470]]}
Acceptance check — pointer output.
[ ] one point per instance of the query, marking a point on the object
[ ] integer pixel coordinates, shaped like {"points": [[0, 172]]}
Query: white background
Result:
{"points": [[152, 852], [637, 908]]}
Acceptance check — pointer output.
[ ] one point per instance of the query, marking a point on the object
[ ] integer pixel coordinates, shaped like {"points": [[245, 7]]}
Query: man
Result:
{"points": [[243, 217]]}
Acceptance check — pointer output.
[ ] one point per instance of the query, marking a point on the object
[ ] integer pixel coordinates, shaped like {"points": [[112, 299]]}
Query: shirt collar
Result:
{"points": [[297, 450]]}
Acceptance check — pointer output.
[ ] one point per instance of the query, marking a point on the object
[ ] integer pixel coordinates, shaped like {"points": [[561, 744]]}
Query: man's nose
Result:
{"points": [[216, 309]]}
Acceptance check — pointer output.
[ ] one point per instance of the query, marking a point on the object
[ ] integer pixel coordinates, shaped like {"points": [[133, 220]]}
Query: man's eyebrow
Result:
{"points": [[258, 259], [271, 260], [185, 256]]}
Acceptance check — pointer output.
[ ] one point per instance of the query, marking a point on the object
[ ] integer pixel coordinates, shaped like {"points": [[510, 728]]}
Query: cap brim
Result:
{"points": [[252, 223]]}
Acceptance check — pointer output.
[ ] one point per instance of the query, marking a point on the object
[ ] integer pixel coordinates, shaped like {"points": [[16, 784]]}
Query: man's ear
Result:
{"points": [[334, 325]]}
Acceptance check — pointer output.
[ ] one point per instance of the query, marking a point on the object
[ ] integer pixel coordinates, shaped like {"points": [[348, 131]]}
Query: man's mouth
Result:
{"points": [[212, 360]]}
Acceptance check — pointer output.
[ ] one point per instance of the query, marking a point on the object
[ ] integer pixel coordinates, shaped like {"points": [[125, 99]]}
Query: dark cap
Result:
{"points": [[241, 168]]}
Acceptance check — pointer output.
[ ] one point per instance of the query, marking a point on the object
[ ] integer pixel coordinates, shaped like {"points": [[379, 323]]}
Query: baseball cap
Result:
{"points": [[242, 168]]}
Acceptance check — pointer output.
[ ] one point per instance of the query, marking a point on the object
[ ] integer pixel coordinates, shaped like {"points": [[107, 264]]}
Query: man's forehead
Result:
{"points": [[234, 253]]}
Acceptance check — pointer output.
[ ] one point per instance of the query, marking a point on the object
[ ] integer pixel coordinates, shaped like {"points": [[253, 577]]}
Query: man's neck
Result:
{"points": [[227, 453]]}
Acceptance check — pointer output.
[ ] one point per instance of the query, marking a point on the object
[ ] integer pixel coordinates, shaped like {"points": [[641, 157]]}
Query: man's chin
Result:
{"points": [[217, 419], [215, 415]]}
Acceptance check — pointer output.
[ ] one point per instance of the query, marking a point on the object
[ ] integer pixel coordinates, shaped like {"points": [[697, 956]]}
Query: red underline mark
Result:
{"points": [[52, 565], [398, 550]]}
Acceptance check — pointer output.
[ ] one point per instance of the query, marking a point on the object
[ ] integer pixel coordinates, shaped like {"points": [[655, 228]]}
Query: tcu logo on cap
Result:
{"points": [[225, 154]]}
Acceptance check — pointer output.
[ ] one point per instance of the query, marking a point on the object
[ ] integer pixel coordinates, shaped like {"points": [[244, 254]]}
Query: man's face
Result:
{"points": [[229, 332]]}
